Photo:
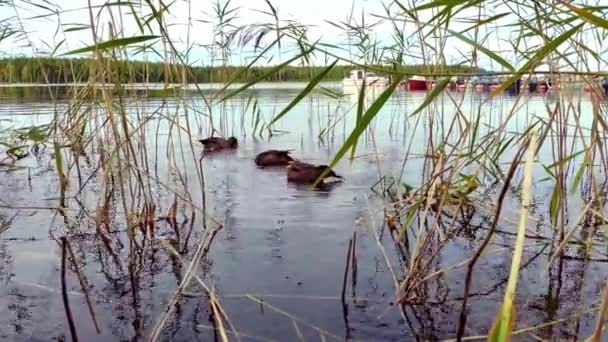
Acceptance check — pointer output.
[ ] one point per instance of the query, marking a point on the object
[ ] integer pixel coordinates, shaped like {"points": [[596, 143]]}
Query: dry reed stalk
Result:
{"points": [[601, 317], [294, 318], [249, 336], [371, 230], [185, 199], [486, 241], [64, 290], [346, 267], [423, 240], [84, 286], [566, 239], [502, 328], [466, 262], [530, 329], [217, 317], [298, 331], [353, 265], [417, 256], [176, 254], [201, 250], [284, 296]]}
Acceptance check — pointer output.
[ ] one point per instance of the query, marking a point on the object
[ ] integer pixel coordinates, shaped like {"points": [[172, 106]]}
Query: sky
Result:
{"points": [[44, 19], [313, 13]]}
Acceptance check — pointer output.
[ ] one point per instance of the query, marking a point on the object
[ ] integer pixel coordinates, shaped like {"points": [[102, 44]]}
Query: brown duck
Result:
{"points": [[273, 158], [217, 144], [305, 173]]}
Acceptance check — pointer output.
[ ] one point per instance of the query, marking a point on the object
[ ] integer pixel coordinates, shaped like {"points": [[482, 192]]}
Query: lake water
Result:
{"points": [[277, 264]]}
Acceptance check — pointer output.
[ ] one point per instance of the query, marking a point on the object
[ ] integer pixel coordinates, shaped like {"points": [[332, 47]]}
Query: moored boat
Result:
{"points": [[602, 83], [545, 85], [458, 83], [417, 83], [532, 84], [493, 83], [358, 77], [515, 88]]}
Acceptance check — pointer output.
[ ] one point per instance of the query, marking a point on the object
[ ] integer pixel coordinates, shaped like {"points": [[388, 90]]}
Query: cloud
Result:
{"points": [[194, 26]]}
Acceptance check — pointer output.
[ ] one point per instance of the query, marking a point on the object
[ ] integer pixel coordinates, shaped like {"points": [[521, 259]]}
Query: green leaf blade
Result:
{"points": [[113, 43], [483, 49], [438, 89], [266, 74], [588, 16], [363, 124], [311, 85], [360, 108], [538, 56]]}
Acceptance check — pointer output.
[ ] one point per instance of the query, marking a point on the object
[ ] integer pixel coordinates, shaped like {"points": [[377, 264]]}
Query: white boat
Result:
{"points": [[357, 77]]}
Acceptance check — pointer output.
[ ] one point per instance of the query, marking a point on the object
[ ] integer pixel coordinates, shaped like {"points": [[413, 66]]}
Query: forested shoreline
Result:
{"points": [[59, 70]]}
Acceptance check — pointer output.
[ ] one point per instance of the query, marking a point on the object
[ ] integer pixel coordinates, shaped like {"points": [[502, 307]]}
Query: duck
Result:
{"points": [[273, 158], [214, 144], [305, 173]]}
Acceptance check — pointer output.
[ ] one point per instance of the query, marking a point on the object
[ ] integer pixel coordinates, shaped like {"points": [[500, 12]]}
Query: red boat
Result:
{"points": [[417, 83]]}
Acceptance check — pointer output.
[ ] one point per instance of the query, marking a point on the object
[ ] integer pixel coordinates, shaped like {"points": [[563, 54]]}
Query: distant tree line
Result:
{"points": [[59, 70]]}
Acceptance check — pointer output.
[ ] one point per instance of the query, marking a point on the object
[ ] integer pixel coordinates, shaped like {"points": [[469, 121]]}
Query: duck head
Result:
{"points": [[233, 142], [330, 172]]}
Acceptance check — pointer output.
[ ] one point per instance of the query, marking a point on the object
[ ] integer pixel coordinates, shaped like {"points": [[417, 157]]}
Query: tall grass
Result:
{"points": [[106, 125]]}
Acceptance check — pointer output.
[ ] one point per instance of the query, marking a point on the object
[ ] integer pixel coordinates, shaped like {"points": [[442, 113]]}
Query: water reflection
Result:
{"points": [[280, 255]]}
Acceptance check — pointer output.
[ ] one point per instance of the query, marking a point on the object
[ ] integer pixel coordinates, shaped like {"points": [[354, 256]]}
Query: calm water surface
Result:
{"points": [[278, 263]]}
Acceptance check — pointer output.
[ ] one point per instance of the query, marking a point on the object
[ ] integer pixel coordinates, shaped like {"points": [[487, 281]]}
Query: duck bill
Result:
{"points": [[334, 175]]}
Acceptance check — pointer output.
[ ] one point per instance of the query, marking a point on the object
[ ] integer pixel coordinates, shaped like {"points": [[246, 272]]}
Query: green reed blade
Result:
{"points": [[479, 23], [537, 57], [578, 176], [236, 76], [363, 124], [439, 88], [555, 205], [502, 327], [113, 43], [587, 15], [266, 74], [360, 108], [311, 85], [483, 49]]}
